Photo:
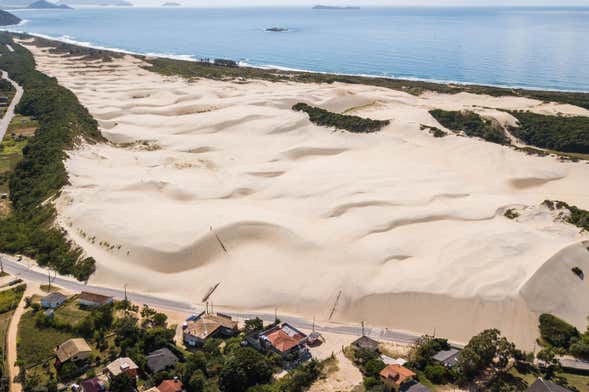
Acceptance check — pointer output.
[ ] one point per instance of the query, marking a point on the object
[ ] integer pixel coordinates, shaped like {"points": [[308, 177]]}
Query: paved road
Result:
{"points": [[35, 274], [5, 122]]}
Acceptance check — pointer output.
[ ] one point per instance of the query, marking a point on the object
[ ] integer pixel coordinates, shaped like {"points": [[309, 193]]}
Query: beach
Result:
{"points": [[209, 181]]}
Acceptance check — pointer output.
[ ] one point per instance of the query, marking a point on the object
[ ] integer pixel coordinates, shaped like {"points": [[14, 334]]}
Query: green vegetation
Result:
{"points": [[434, 131], [40, 174], [578, 217], [560, 337], [370, 366], [471, 124], [353, 124], [559, 133], [10, 298], [511, 213]]}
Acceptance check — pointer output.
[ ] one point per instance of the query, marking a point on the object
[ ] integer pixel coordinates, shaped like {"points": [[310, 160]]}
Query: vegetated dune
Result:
{"points": [[283, 213]]}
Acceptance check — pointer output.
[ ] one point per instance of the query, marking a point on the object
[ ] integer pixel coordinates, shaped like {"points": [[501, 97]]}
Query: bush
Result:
{"points": [[557, 332], [471, 124], [438, 374], [245, 368], [354, 124]]}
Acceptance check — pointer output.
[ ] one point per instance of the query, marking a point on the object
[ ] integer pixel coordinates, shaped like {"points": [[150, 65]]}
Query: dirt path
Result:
{"points": [[345, 378], [13, 370]]}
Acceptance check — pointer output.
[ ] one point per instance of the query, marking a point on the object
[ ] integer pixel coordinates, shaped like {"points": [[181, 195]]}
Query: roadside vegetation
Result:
{"points": [[578, 217], [40, 173], [471, 124], [352, 124], [9, 300]]}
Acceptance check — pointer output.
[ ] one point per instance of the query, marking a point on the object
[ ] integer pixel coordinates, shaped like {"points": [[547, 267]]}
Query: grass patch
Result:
{"points": [[576, 380], [352, 124], [36, 345], [22, 126], [70, 312], [471, 124], [10, 298], [4, 323]]}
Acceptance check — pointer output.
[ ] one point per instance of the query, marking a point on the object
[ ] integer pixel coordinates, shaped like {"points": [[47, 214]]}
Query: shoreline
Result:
{"points": [[272, 67]]}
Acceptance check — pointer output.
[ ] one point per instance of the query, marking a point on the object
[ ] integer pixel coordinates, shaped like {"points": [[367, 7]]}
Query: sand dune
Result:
{"points": [[238, 188]]}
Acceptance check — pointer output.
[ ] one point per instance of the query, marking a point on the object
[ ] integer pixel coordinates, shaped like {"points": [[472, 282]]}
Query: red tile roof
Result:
{"points": [[170, 386], [397, 373], [284, 338]]}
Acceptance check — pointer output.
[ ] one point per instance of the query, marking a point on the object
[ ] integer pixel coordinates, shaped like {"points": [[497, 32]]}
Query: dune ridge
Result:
{"points": [[244, 191]]}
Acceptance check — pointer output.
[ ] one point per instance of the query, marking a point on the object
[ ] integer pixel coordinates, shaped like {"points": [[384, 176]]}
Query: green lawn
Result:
{"points": [[70, 312], [4, 322], [37, 344], [10, 298], [578, 381]]}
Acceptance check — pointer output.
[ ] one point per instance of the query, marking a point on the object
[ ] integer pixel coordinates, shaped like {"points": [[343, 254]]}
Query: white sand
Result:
{"points": [[408, 226]]}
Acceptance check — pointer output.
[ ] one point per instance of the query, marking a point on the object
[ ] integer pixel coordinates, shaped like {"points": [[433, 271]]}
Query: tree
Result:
{"points": [[245, 368], [551, 363], [122, 383], [197, 382], [557, 332], [425, 348], [253, 325]]}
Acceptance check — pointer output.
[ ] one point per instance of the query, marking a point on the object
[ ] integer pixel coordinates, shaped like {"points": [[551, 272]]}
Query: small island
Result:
{"points": [[277, 29], [329, 7], [171, 4], [46, 5], [7, 19]]}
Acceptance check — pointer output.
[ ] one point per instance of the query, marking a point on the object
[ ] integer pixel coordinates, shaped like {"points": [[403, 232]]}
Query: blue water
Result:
{"points": [[526, 47]]}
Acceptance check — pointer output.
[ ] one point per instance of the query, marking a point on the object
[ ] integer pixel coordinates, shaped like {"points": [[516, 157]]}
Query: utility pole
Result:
{"points": [[363, 328], [126, 301]]}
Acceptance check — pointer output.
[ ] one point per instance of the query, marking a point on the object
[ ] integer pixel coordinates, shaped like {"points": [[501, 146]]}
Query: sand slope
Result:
{"points": [[224, 183]]}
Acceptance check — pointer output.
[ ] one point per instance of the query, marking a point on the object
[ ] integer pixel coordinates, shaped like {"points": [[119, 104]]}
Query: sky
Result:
{"points": [[242, 3]]}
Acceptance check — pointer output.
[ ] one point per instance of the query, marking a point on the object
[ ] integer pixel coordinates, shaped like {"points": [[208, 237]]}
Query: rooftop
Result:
{"points": [[161, 359], [366, 343], [54, 297], [283, 338], [208, 324], [541, 385], [397, 373], [121, 365], [447, 357], [170, 386], [70, 348], [93, 297]]}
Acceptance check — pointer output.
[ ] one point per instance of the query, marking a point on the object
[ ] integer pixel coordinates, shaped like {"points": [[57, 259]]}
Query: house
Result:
{"points": [[206, 325], [73, 350], [161, 359], [93, 300], [365, 343], [414, 386], [396, 376], [448, 358], [3, 98], [53, 300], [283, 339], [93, 385], [122, 365], [174, 385], [541, 385], [391, 361]]}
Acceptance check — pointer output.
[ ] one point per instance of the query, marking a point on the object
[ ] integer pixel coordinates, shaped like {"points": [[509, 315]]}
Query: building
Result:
{"points": [[93, 299], [53, 300], [448, 358], [122, 365], [72, 350], [205, 325], [414, 386], [392, 361], [174, 385], [396, 376], [93, 385], [3, 99], [365, 343], [284, 339], [161, 359], [541, 385]]}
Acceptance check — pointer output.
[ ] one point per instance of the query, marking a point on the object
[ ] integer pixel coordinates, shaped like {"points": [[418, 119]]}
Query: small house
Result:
{"points": [[161, 359], [284, 340], [448, 358], [396, 376], [174, 385], [93, 300], [122, 365], [365, 343], [72, 350], [94, 384], [541, 385], [3, 99], [205, 325], [53, 300], [414, 386]]}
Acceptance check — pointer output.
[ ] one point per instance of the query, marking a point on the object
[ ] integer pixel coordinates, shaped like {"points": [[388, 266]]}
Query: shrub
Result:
{"points": [[471, 124], [557, 332], [353, 124]]}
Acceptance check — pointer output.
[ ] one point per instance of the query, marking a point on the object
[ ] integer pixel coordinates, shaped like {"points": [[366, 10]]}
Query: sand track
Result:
{"points": [[235, 187]]}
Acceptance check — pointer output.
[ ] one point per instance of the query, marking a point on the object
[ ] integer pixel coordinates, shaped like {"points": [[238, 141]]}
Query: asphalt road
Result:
{"points": [[5, 122], [30, 273]]}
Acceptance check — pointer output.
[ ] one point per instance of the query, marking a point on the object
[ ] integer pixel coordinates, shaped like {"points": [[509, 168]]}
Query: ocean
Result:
{"points": [[544, 48]]}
